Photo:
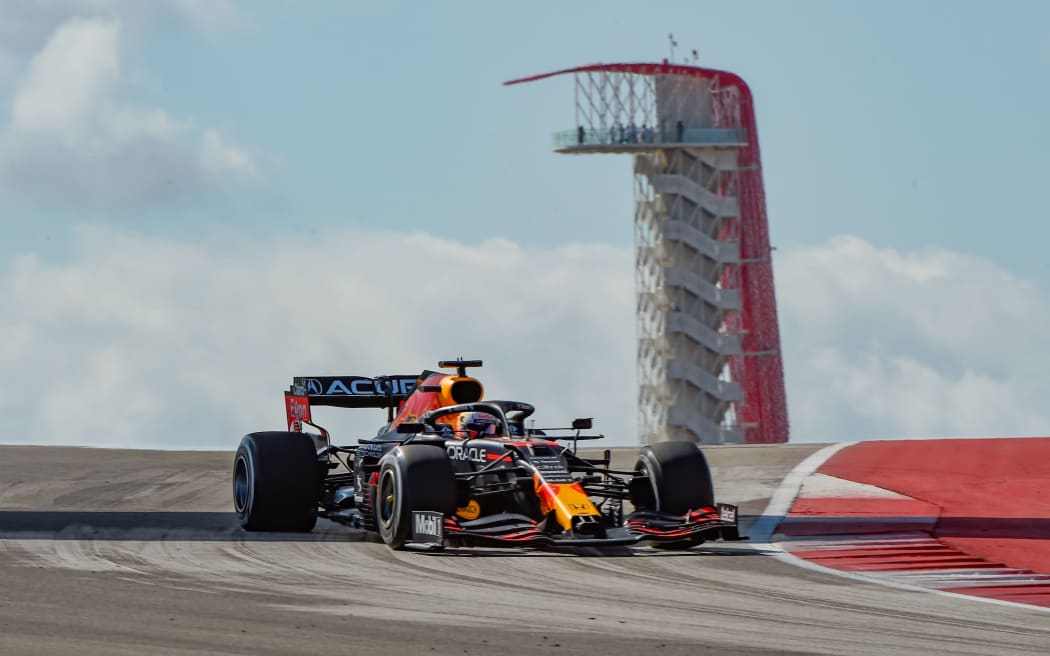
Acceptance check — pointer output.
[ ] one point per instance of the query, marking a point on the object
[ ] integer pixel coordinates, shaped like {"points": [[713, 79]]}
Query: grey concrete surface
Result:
{"points": [[134, 552]]}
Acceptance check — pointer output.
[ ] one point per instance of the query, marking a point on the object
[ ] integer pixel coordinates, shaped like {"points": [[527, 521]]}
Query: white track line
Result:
{"points": [[959, 578], [778, 507], [780, 502]]}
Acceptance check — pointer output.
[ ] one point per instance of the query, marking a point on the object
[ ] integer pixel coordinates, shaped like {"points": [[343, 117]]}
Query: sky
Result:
{"points": [[201, 199]]}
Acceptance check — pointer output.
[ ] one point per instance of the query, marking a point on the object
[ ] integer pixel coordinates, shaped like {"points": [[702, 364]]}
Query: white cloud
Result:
{"points": [[74, 140], [25, 24], [883, 344], [142, 342], [219, 157], [69, 81], [135, 341]]}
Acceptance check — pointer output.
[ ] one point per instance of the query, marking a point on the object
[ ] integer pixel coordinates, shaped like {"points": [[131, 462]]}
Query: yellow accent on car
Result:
{"points": [[471, 511], [567, 500]]}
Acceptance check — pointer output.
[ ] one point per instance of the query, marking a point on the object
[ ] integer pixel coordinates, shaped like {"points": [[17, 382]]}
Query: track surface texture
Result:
{"points": [[132, 552]]}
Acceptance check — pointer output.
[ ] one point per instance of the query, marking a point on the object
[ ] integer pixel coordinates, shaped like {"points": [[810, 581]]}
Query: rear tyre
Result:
{"points": [[679, 481], [411, 477], [276, 482]]}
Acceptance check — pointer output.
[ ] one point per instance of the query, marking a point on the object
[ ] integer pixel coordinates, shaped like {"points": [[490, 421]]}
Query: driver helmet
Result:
{"points": [[476, 424]]}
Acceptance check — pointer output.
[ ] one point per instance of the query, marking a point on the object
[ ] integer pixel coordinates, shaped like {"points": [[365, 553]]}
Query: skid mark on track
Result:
{"points": [[721, 598]]}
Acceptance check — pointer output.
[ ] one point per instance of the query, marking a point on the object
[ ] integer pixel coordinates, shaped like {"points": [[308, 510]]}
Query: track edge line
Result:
{"points": [[779, 505]]}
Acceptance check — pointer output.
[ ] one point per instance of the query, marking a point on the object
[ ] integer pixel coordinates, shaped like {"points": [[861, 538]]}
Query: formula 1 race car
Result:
{"points": [[450, 469]]}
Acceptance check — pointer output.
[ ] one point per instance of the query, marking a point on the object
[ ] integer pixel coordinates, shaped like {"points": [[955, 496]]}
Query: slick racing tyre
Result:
{"points": [[679, 481], [276, 482], [679, 476], [412, 477]]}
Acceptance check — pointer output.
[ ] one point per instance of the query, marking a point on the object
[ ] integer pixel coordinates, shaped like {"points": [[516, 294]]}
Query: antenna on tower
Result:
{"points": [[673, 43], [696, 56]]}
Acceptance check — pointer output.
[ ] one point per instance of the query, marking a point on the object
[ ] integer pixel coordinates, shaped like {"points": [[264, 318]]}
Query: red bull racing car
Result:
{"points": [[451, 469]]}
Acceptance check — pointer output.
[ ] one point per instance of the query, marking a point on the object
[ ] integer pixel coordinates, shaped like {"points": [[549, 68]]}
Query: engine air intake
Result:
{"points": [[462, 390]]}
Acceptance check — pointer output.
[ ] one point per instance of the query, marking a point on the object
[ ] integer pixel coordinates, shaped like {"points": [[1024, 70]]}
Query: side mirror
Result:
{"points": [[583, 423], [410, 428]]}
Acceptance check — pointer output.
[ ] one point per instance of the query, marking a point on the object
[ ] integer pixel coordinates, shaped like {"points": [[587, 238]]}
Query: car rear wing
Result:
{"points": [[344, 392], [379, 392], [354, 391]]}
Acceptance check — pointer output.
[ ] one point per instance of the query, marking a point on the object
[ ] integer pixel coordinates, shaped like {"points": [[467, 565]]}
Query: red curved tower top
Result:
{"points": [[710, 366]]}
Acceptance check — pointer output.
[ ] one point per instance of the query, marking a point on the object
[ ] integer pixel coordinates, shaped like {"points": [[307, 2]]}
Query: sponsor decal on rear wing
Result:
{"points": [[353, 391]]}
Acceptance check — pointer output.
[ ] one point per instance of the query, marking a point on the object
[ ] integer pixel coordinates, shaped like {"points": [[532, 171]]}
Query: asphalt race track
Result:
{"points": [[133, 552]]}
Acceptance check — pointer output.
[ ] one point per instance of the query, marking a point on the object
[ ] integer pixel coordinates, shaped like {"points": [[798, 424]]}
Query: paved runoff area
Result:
{"points": [[137, 552], [964, 516]]}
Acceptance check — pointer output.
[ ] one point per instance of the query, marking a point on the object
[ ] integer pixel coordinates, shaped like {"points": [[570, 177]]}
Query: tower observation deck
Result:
{"points": [[709, 361]]}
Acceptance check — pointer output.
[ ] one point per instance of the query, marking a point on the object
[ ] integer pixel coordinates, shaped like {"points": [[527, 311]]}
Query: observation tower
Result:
{"points": [[709, 361]]}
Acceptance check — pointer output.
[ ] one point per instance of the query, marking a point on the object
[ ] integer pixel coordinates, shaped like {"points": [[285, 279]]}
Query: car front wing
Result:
{"points": [[506, 529]]}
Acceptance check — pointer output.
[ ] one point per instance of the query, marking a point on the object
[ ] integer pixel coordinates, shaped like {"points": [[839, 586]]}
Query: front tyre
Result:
{"points": [[679, 481], [411, 477], [276, 482]]}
